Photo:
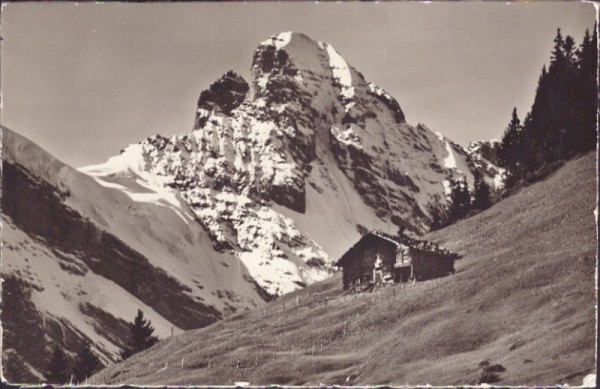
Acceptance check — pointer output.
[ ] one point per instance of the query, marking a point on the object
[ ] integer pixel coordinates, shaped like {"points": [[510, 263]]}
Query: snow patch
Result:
{"points": [[155, 195], [341, 72], [348, 137], [279, 41], [260, 235], [450, 160], [131, 158], [299, 79], [447, 187], [499, 178], [260, 103], [378, 90]]}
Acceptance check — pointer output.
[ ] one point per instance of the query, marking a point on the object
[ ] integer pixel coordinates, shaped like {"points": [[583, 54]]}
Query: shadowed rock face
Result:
{"points": [[391, 103], [269, 58], [225, 95], [37, 209]]}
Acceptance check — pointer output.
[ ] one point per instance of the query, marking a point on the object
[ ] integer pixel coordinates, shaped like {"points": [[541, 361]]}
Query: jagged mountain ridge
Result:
{"points": [[79, 259], [283, 169]]}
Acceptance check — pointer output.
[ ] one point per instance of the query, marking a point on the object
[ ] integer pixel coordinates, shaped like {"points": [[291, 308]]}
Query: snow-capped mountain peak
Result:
{"points": [[283, 170]]}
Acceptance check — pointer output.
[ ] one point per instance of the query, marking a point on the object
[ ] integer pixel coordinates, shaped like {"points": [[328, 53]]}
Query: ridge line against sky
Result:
{"points": [[85, 80]]}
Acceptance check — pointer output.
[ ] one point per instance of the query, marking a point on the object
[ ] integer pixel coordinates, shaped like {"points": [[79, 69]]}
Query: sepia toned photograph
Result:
{"points": [[249, 194]]}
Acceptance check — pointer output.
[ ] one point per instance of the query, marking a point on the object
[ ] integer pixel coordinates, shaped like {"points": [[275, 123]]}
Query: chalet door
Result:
{"points": [[403, 273]]}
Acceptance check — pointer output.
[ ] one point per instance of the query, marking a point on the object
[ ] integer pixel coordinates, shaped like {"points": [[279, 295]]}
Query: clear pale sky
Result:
{"points": [[83, 81]]}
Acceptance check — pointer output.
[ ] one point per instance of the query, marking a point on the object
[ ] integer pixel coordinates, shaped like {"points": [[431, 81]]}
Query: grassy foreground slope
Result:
{"points": [[523, 297]]}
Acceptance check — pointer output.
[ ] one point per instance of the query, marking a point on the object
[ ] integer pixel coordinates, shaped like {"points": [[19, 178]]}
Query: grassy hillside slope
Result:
{"points": [[523, 297]]}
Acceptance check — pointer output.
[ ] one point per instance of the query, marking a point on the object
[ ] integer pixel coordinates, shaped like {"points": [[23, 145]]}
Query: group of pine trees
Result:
{"points": [[461, 201], [561, 124], [60, 371], [562, 120]]}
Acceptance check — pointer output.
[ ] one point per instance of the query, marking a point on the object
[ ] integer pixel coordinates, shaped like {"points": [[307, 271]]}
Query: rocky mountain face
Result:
{"points": [[265, 158], [483, 156], [485, 149], [278, 177]]}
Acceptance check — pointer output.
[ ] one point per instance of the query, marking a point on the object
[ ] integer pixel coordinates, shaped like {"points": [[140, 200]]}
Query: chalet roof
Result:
{"points": [[407, 241]]}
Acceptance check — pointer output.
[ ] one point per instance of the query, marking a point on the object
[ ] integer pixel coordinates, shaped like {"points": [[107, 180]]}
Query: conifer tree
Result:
{"points": [[57, 370], [458, 207], [508, 152], [557, 51], [535, 137], [140, 336], [86, 363], [587, 87], [439, 213], [481, 192], [460, 200], [569, 50]]}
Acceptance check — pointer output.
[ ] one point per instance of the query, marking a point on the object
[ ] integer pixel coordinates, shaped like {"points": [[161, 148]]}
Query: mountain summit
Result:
{"points": [[286, 169]]}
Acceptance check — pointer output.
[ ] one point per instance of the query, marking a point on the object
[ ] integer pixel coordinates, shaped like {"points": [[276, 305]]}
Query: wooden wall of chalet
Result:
{"points": [[430, 265], [361, 260]]}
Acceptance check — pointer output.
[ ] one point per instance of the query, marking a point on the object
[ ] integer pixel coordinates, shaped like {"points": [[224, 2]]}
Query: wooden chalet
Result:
{"points": [[381, 258]]}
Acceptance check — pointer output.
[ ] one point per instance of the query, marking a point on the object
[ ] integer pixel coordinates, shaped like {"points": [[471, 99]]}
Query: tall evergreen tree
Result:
{"points": [[508, 153], [569, 50], [511, 152], [536, 134], [460, 199], [587, 87], [86, 363], [57, 370], [140, 336], [557, 51], [481, 192], [438, 212]]}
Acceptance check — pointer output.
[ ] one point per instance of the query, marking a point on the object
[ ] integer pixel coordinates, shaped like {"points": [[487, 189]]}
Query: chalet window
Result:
{"points": [[402, 257]]}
